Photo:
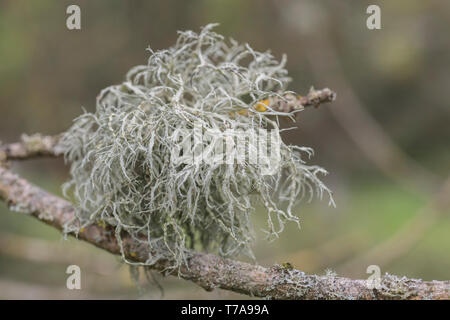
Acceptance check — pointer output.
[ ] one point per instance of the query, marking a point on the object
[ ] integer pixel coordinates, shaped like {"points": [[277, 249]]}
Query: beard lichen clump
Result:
{"points": [[131, 168]]}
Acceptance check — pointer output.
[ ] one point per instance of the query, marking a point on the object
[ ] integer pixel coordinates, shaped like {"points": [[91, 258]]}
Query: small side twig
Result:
{"points": [[292, 103], [210, 271], [32, 146]]}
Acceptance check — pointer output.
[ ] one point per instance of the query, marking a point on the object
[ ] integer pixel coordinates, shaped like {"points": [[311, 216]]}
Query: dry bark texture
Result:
{"points": [[32, 146], [210, 271]]}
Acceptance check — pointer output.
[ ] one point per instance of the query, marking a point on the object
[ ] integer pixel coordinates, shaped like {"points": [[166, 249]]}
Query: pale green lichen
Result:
{"points": [[121, 155]]}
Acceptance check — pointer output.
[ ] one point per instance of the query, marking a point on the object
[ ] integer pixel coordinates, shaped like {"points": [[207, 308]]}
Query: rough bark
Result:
{"points": [[210, 271], [206, 270]]}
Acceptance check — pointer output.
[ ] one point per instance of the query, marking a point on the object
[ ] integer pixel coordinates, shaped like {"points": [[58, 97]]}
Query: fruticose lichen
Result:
{"points": [[122, 155]]}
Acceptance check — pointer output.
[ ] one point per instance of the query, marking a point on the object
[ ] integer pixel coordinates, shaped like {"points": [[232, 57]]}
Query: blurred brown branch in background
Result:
{"points": [[409, 234], [32, 146]]}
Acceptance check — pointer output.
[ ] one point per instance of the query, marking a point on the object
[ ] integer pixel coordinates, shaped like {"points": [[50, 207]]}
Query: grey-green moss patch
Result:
{"points": [[120, 155]]}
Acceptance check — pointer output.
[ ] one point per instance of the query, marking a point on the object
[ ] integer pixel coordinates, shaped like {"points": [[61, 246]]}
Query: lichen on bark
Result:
{"points": [[121, 155]]}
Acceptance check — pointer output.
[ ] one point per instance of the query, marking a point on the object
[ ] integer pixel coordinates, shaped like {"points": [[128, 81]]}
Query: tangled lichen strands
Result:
{"points": [[122, 155]]}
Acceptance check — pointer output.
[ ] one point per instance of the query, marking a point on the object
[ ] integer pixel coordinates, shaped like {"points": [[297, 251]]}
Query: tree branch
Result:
{"points": [[291, 103], [210, 271], [206, 270], [316, 97], [32, 146], [38, 145]]}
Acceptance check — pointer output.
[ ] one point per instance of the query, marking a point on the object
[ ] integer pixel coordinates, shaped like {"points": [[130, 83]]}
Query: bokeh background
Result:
{"points": [[385, 141]]}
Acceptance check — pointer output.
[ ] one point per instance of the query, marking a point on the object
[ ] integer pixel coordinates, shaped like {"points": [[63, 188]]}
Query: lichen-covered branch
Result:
{"points": [[32, 146], [316, 97], [38, 145], [210, 271]]}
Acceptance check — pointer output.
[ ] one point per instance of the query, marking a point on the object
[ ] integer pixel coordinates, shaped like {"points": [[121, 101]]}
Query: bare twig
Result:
{"points": [[361, 127], [210, 271], [316, 97], [32, 146], [369, 136]]}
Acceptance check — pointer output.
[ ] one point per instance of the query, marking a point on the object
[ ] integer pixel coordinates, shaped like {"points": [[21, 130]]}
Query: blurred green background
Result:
{"points": [[385, 141]]}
